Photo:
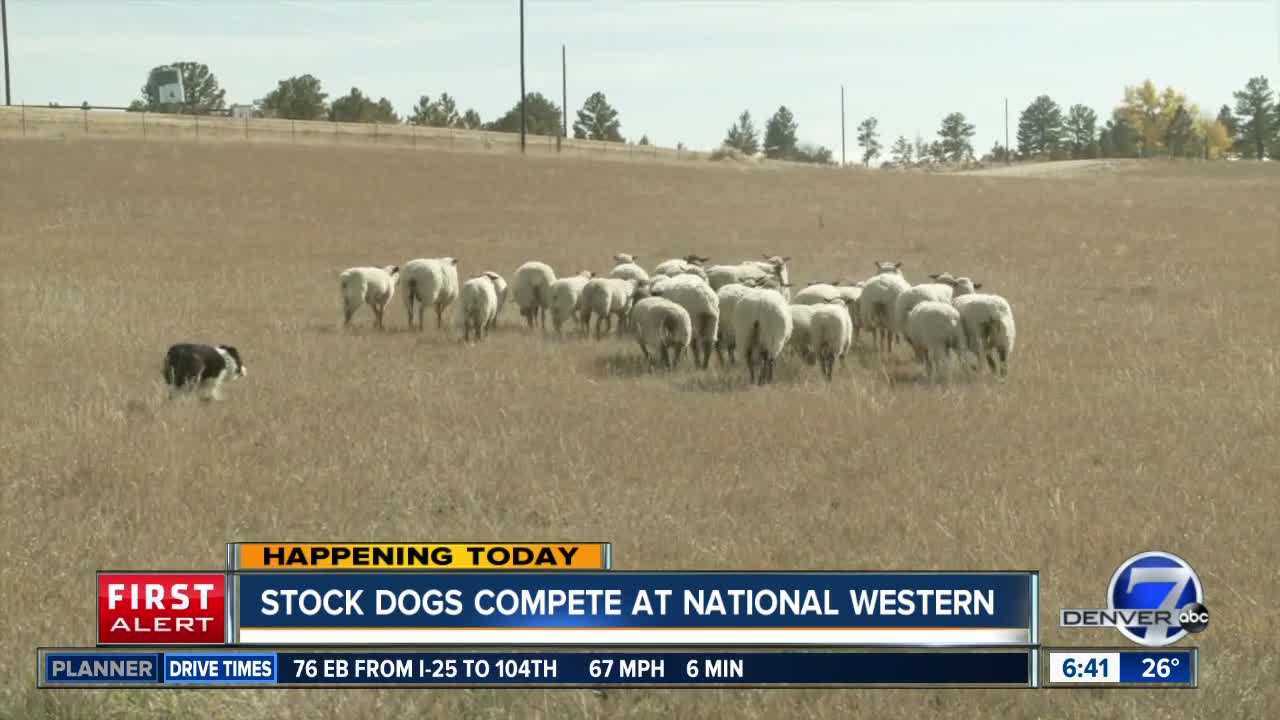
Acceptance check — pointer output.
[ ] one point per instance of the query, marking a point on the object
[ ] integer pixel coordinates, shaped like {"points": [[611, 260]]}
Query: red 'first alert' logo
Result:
{"points": [[162, 608]]}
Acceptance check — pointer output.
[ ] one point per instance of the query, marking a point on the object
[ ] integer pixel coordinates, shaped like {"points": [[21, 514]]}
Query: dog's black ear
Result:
{"points": [[231, 350]]}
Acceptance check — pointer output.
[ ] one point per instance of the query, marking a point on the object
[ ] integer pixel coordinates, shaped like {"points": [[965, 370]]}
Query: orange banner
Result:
{"points": [[418, 556]]}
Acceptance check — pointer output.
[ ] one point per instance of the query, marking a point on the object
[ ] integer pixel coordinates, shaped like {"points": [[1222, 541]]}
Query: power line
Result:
{"points": [[524, 123], [4, 30]]}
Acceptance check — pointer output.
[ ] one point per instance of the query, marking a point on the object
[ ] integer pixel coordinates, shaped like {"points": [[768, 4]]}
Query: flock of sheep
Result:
{"points": [[684, 304]]}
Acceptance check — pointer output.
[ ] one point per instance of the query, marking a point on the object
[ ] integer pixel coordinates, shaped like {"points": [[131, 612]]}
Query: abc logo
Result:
{"points": [[1166, 585], [1194, 618]]}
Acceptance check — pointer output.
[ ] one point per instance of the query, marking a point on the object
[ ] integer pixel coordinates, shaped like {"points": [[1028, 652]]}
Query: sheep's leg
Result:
{"points": [[347, 312], [751, 365], [408, 308], [1004, 360]]}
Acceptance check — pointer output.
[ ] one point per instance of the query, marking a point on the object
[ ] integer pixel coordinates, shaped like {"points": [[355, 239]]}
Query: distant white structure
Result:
{"points": [[168, 84], [241, 111]]}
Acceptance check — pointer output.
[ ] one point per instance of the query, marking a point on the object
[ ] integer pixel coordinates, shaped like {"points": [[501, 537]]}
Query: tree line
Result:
{"points": [[302, 97], [1148, 122]]}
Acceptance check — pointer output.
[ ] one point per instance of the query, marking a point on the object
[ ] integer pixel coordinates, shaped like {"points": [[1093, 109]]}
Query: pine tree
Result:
{"points": [[1040, 128], [597, 120], [955, 135], [780, 135], [902, 151], [743, 135], [869, 140], [1257, 113]]}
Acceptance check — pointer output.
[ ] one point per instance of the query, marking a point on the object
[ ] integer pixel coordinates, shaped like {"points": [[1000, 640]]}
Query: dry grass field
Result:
{"points": [[1140, 412]]}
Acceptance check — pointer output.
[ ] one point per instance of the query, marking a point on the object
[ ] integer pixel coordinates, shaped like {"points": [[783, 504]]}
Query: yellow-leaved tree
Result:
{"points": [[1151, 112], [1217, 140]]}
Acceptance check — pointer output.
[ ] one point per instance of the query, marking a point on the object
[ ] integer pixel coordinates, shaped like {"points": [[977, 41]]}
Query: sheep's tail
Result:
{"points": [[880, 311], [753, 337], [537, 295], [998, 332]]}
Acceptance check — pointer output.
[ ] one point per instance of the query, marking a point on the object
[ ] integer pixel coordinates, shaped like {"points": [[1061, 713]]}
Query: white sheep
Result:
{"points": [[934, 330], [830, 334], [801, 323], [372, 285], [665, 326], [989, 330], [816, 294], [720, 275], [605, 298], [703, 306], [940, 291], [777, 266], [532, 284], [964, 286], [630, 271], [728, 297], [691, 264], [876, 303], [852, 296], [763, 323], [566, 298], [500, 287], [429, 281], [479, 304]]}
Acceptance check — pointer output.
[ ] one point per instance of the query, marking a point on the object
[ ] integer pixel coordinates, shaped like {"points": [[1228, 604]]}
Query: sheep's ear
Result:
{"points": [[977, 285], [786, 259], [453, 261], [897, 265], [934, 276]]}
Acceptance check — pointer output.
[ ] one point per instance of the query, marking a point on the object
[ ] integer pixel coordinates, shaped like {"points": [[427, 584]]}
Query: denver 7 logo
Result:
{"points": [[1157, 581]]}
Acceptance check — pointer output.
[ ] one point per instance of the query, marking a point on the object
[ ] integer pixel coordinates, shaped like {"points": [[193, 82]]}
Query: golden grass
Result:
{"points": [[1140, 411], [74, 124]]}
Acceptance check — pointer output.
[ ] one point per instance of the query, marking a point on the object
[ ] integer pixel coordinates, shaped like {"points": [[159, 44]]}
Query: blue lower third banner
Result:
{"points": [[80, 668], [912, 609]]}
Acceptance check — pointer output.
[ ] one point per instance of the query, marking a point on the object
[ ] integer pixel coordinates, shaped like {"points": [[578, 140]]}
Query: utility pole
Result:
{"points": [[564, 95], [524, 122], [4, 30], [842, 158], [1008, 155]]}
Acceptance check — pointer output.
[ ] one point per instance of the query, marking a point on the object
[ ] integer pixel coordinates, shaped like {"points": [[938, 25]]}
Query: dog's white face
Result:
{"points": [[235, 365]]}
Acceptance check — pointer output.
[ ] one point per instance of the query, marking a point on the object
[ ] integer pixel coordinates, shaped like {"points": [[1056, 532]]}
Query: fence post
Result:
{"points": [[375, 132], [246, 127], [197, 119], [144, 124], [293, 131], [413, 129], [86, 120], [24, 119]]}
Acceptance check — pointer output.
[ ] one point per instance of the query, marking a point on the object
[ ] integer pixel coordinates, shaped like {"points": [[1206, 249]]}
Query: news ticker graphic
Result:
{"points": [[1154, 599], [279, 667], [483, 608], [619, 608], [1121, 667], [276, 556]]}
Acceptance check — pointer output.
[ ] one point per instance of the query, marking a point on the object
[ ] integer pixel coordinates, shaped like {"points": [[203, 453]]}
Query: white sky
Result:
{"points": [[677, 70]]}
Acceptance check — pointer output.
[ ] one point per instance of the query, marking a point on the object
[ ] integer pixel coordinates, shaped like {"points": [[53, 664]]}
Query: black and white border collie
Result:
{"points": [[202, 368]]}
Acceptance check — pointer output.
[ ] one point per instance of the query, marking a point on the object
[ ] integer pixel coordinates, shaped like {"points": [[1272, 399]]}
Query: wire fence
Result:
{"points": [[69, 123]]}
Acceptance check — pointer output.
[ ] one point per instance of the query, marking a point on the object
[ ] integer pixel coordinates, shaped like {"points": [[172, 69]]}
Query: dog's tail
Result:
{"points": [[170, 375]]}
